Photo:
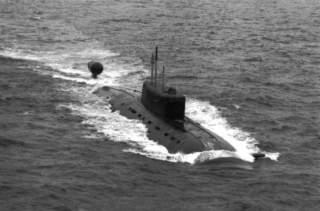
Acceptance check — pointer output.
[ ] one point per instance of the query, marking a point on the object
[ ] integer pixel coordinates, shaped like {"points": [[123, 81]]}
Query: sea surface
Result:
{"points": [[250, 70]]}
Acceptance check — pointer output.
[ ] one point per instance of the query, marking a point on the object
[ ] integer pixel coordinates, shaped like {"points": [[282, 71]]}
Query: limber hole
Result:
{"points": [[132, 110]]}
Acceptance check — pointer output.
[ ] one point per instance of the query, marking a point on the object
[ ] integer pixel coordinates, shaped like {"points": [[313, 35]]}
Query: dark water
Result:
{"points": [[250, 70]]}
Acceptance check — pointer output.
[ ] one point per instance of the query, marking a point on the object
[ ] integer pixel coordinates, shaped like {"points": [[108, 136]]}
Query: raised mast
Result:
{"points": [[152, 68], [156, 67], [163, 78]]}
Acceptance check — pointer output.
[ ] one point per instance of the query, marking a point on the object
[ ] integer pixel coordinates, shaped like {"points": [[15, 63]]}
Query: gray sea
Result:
{"points": [[250, 70]]}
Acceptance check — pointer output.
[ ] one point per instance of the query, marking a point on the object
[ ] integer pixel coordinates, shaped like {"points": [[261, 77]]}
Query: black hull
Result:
{"points": [[184, 136]]}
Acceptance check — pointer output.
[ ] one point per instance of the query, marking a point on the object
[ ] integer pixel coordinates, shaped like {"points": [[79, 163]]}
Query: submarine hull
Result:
{"points": [[184, 136]]}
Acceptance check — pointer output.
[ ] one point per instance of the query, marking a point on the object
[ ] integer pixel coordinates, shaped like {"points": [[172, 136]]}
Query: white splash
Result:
{"points": [[72, 65], [210, 118]]}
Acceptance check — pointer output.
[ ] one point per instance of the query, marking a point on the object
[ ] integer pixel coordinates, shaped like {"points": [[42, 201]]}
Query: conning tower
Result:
{"points": [[162, 101]]}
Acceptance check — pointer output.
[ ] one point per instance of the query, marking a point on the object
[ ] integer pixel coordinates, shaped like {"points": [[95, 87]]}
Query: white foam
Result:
{"points": [[209, 117], [18, 54], [117, 127], [192, 158], [75, 79], [272, 155], [61, 60], [72, 65], [236, 106]]}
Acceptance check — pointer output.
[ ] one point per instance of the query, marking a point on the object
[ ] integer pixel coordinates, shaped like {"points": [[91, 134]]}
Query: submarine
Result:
{"points": [[162, 109]]}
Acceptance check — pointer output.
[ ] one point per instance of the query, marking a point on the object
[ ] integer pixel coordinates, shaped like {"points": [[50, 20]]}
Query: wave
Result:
{"points": [[5, 142]]}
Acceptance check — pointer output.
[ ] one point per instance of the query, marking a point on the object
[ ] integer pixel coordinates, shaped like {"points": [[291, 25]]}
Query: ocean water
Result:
{"points": [[250, 70]]}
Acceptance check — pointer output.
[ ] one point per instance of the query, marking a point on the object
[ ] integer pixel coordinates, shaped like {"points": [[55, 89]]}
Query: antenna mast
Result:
{"points": [[152, 67], [156, 67], [163, 78]]}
